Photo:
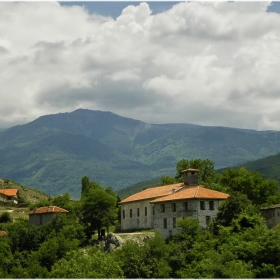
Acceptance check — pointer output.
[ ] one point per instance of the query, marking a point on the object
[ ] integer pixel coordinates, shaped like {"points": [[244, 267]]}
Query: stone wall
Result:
{"points": [[165, 221]]}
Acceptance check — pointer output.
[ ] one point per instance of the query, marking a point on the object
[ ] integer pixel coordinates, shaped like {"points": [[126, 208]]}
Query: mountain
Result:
{"points": [[268, 166], [53, 152]]}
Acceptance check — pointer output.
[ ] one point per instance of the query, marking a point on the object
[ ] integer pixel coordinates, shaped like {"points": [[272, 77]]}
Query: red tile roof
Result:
{"points": [[152, 193], [193, 192], [9, 192], [3, 232], [179, 192], [48, 209]]}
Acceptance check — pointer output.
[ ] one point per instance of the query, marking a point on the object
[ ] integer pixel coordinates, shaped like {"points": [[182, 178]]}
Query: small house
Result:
{"points": [[43, 215], [9, 196]]}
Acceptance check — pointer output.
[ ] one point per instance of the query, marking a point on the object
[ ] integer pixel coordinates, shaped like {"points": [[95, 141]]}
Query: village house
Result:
{"points": [[9, 196], [271, 214], [160, 207], [43, 215]]}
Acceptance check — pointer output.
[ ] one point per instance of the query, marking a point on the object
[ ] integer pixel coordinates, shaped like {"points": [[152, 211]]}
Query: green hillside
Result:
{"points": [[269, 166], [26, 194], [55, 151]]}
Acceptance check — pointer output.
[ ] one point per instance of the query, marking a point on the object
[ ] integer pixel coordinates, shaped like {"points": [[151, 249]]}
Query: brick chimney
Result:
{"points": [[190, 177]]}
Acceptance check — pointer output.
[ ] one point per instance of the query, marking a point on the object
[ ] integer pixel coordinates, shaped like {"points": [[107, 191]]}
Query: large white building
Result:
{"points": [[160, 207]]}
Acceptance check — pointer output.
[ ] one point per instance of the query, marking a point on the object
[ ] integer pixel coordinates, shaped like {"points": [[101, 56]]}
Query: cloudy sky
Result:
{"points": [[208, 63]]}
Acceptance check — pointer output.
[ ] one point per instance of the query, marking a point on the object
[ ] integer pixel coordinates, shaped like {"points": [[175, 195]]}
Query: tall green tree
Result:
{"points": [[98, 208]]}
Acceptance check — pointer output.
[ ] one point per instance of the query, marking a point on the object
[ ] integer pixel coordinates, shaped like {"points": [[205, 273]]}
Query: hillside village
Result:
{"points": [[198, 204]]}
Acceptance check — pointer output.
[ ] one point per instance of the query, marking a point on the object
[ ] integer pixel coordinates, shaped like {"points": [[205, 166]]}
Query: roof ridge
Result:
{"points": [[196, 191]]}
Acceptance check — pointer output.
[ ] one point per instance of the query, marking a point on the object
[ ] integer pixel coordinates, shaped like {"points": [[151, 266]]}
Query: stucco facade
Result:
{"points": [[137, 215]]}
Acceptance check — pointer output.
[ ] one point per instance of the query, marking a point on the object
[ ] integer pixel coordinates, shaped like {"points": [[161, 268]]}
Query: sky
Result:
{"points": [[207, 63]]}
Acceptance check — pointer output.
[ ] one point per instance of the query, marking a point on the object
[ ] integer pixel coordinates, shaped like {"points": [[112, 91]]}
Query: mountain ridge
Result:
{"points": [[56, 151]]}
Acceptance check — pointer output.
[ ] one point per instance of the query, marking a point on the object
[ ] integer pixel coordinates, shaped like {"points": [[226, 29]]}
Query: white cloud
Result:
{"points": [[211, 63]]}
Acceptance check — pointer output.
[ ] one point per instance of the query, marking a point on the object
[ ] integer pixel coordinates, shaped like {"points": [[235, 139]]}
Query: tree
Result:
{"points": [[207, 172], [62, 201], [232, 207], [251, 183], [167, 180], [23, 236], [98, 208]]}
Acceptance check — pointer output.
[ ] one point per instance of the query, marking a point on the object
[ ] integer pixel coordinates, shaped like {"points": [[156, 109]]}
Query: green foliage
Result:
{"points": [[167, 180], [189, 229], [87, 263], [62, 201], [147, 261], [98, 206], [232, 207], [245, 221], [6, 256], [207, 173], [40, 203], [251, 183], [67, 225], [23, 236], [5, 218], [54, 248]]}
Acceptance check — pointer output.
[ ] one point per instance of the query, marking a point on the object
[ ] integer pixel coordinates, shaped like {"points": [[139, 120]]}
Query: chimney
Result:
{"points": [[190, 177]]}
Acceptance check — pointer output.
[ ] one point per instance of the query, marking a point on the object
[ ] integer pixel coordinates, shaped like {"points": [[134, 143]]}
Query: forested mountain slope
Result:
{"points": [[54, 152]]}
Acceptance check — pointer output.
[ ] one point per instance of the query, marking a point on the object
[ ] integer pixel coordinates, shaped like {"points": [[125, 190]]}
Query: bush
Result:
{"points": [[5, 218]]}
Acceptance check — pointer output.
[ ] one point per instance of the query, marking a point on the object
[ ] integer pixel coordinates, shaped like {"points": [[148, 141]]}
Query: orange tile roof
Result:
{"points": [[9, 192], [193, 192], [48, 209], [152, 193]]}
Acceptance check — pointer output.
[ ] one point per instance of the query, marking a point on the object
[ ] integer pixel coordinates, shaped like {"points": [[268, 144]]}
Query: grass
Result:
{"points": [[15, 213]]}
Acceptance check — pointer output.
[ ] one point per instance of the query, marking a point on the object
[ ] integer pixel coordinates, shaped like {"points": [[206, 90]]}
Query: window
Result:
{"points": [[164, 223], [153, 210], [162, 208], [130, 213], [138, 212], [202, 205], [146, 211], [211, 205], [123, 214], [174, 222], [185, 205], [173, 206]]}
